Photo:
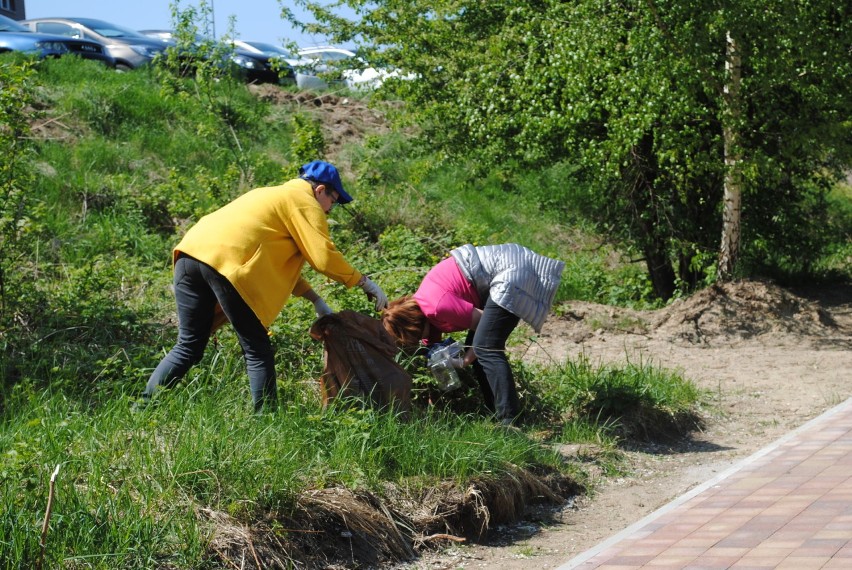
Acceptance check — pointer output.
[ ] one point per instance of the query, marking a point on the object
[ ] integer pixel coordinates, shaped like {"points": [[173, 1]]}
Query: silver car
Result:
{"points": [[128, 48]]}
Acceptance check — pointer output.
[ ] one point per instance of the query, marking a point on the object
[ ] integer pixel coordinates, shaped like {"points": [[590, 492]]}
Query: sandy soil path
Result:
{"points": [[770, 360]]}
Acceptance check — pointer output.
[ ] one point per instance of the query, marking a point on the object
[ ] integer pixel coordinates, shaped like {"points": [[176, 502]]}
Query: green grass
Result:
{"points": [[129, 482]]}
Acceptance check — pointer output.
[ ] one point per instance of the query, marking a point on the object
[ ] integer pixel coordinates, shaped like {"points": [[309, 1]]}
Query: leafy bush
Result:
{"points": [[308, 140], [16, 212]]}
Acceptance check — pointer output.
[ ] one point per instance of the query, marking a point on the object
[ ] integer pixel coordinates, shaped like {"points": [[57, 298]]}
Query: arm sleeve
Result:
{"points": [[302, 286], [308, 227]]}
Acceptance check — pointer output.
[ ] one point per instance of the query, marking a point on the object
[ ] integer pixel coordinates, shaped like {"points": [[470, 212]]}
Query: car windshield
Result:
{"points": [[107, 29], [327, 55], [270, 49], [10, 25], [170, 36]]}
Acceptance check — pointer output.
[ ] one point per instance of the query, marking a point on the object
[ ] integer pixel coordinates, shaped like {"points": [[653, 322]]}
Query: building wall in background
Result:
{"points": [[15, 9]]}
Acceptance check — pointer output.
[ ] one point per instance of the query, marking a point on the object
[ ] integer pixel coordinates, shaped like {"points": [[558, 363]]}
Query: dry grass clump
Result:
{"points": [[339, 528], [471, 511]]}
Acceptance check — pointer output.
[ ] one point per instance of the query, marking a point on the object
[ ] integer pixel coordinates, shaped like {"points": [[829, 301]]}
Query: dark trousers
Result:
{"points": [[198, 287], [491, 367]]}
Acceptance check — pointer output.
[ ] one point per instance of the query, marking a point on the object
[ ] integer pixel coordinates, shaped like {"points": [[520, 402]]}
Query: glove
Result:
{"points": [[321, 307], [374, 292]]}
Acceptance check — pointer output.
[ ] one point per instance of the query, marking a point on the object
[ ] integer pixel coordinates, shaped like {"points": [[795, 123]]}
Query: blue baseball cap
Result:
{"points": [[325, 173]]}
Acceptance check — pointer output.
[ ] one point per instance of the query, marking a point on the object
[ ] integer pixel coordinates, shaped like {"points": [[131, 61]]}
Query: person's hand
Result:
{"points": [[458, 361], [374, 292], [321, 307]]}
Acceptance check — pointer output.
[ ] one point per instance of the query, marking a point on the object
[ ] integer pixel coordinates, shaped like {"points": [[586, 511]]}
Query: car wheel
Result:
{"points": [[121, 67]]}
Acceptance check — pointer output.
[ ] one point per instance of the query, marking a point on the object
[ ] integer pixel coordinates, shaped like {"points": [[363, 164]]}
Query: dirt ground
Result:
{"points": [[343, 119], [769, 358]]}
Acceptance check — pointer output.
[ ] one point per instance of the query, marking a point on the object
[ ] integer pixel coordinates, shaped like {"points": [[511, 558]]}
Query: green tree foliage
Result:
{"points": [[633, 92]]}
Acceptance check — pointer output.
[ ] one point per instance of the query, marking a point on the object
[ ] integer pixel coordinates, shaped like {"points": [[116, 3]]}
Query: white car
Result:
{"points": [[269, 50], [314, 61]]}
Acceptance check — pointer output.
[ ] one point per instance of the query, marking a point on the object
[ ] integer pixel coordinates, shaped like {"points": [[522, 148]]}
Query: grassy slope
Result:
{"points": [[122, 169]]}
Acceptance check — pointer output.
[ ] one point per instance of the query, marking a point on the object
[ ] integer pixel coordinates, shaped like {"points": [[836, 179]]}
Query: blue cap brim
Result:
{"points": [[325, 173]]}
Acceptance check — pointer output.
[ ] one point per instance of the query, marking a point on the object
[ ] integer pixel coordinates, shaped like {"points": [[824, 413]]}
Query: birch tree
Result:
{"points": [[732, 195]]}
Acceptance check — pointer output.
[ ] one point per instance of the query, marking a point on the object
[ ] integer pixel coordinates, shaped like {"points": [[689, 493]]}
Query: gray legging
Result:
{"points": [[197, 289], [491, 367]]}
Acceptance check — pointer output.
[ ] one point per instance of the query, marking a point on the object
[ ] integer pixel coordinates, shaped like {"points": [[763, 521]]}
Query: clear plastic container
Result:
{"points": [[441, 366]]}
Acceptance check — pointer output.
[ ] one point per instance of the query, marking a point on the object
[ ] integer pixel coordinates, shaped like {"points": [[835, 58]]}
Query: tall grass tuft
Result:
{"points": [[633, 401]]}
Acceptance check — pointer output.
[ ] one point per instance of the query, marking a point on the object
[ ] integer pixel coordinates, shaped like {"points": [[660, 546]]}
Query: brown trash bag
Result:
{"points": [[359, 361]]}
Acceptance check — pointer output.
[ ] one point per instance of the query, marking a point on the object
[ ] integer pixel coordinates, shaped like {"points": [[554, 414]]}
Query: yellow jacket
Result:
{"points": [[260, 242]]}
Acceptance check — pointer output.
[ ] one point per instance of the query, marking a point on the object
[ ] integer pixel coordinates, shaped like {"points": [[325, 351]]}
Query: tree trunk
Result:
{"points": [[660, 271], [639, 176], [732, 199]]}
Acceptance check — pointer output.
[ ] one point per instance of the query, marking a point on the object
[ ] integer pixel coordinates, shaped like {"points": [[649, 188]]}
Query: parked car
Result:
{"points": [[16, 37], [253, 66], [323, 66], [317, 63], [267, 49], [128, 48]]}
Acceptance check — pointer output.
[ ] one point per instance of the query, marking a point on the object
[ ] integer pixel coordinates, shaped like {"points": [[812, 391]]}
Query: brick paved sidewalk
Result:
{"points": [[787, 506]]}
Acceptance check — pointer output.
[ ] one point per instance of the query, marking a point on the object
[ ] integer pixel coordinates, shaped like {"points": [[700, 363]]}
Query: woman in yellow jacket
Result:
{"points": [[248, 257]]}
